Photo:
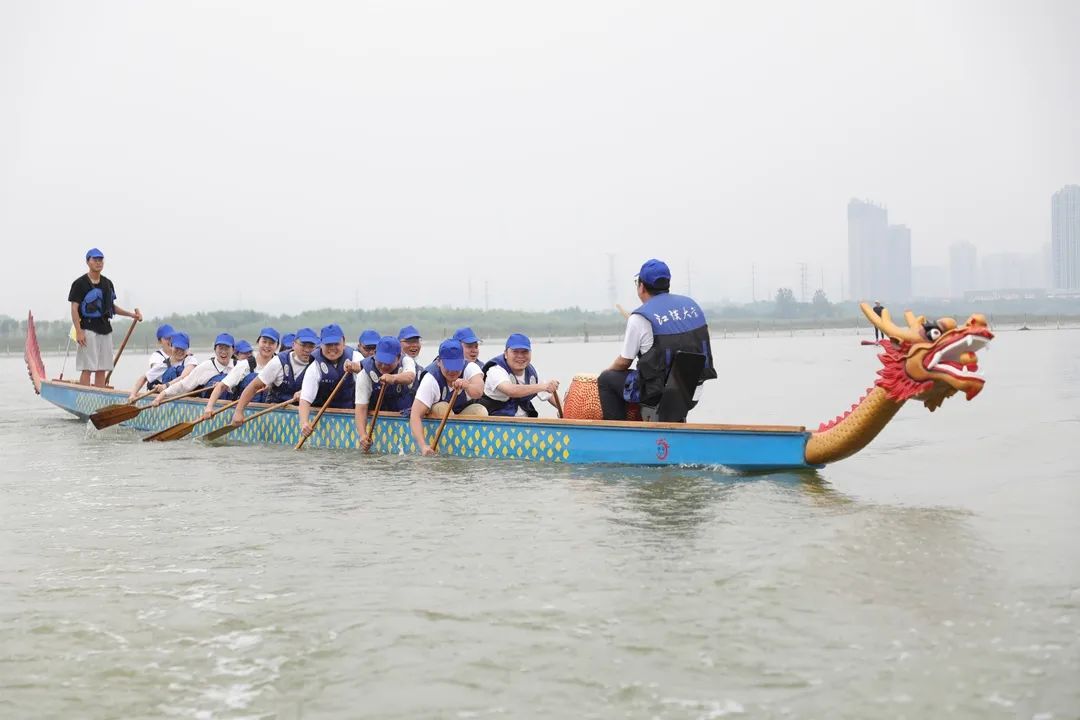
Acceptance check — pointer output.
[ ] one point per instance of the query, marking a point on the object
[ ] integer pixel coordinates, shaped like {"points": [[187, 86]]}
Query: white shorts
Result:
{"points": [[96, 355]]}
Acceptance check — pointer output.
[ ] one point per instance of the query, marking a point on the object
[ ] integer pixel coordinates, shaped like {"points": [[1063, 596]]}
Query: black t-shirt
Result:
{"points": [[94, 311]]}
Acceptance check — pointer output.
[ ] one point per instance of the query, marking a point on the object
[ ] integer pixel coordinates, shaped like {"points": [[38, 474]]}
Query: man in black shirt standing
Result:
{"points": [[93, 303]]}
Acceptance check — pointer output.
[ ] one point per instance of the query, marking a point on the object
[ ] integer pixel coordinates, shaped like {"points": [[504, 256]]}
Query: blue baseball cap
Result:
{"points": [[288, 339], [224, 339], [269, 332], [243, 346], [451, 355], [388, 350], [654, 270], [180, 340], [331, 333], [409, 331], [369, 338], [307, 335], [94, 252], [517, 341], [465, 335], [165, 331]]}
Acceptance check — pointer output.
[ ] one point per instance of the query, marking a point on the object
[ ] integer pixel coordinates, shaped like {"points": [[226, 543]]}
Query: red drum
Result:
{"points": [[582, 401]]}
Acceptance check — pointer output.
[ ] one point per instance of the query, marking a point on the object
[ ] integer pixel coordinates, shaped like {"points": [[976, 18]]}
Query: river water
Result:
{"points": [[935, 574]]}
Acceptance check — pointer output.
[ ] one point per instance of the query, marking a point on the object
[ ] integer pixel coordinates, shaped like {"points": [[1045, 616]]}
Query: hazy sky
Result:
{"points": [[286, 156]]}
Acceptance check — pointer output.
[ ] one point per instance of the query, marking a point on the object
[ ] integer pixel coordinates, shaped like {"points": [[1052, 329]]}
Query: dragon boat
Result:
{"points": [[925, 361]]}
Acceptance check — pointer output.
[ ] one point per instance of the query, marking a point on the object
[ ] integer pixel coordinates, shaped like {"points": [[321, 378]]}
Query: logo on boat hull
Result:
{"points": [[662, 448]]}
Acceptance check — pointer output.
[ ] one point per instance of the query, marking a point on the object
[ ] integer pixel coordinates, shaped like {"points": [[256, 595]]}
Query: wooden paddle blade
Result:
{"points": [[166, 434], [220, 432], [114, 415], [178, 431]]}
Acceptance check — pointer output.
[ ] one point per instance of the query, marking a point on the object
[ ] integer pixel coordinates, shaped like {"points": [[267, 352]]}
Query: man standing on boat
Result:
{"points": [[93, 303], [663, 325]]}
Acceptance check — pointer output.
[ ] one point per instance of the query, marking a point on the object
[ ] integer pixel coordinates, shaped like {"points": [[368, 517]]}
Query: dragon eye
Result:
{"points": [[933, 333]]}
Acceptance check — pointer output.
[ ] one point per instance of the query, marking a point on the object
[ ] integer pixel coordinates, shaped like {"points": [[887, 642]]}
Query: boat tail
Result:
{"points": [[927, 361], [32, 354]]}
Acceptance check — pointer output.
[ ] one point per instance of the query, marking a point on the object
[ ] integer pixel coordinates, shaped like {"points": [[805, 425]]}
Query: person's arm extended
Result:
{"points": [[514, 390], [416, 424], [80, 334], [219, 388], [182, 385], [474, 387], [361, 426], [405, 377], [253, 387], [137, 387], [127, 313], [620, 363], [305, 411]]}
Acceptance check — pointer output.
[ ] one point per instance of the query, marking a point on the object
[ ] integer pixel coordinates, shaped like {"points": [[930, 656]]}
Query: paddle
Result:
{"points": [[115, 406], [449, 409], [116, 414], [623, 311], [179, 430], [375, 417], [558, 402], [120, 352], [303, 438], [226, 429]]}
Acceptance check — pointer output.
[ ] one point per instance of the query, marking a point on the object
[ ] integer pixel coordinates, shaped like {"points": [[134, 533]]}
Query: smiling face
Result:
{"points": [[178, 354], [333, 351], [303, 350], [366, 351], [267, 347], [472, 351], [518, 360], [411, 347], [223, 352]]}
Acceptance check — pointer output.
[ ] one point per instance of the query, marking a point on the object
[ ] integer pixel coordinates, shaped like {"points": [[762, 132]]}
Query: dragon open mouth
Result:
{"points": [[958, 358]]}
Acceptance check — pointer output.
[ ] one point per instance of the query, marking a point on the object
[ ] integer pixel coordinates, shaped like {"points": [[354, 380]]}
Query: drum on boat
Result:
{"points": [[582, 401]]}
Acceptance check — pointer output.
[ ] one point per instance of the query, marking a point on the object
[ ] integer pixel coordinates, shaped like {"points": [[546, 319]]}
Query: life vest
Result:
{"points": [[173, 371], [445, 392], [397, 398], [209, 384], [245, 381], [95, 304], [165, 360], [331, 372], [291, 381], [678, 323], [510, 407]]}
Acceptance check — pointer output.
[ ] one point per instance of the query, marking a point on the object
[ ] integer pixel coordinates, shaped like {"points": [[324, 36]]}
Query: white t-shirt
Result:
{"points": [[158, 363], [240, 371], [497, 376], [273, 374], [638, 339], [365, 382], [198, 377]]}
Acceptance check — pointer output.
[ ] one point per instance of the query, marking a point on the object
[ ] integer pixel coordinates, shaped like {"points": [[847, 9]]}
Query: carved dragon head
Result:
{"points": [[929, 360]]}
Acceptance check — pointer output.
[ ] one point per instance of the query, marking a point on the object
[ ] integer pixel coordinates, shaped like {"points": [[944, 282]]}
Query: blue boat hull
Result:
{"points": [[539, 440]]}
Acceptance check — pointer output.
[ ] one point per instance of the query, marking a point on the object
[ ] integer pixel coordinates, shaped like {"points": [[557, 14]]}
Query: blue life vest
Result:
{"points": [[331, 372], [291, 381], [397, 398], [678, 323], [209, 385], [245, 381], [510, 407], [445, 392], [175, 370], [96, 305]]}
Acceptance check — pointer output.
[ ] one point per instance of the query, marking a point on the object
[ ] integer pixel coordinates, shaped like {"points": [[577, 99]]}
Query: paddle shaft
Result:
{"points": [[120, 352], [225, 430], [558, 402], [303, 438], [442, 423], [375, 417]]}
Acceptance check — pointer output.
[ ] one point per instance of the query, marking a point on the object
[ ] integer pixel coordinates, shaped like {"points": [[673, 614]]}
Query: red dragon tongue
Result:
{"points": [[974, 390]]}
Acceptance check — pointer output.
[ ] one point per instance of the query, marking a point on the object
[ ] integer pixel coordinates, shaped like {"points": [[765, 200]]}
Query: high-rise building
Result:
{"points": [[930, 282], [1065, 237], [879, 255], [1010, 271], [963, 264]]}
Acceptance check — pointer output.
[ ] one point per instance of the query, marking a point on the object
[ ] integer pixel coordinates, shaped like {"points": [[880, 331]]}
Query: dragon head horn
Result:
{"points": [[886, 325]]}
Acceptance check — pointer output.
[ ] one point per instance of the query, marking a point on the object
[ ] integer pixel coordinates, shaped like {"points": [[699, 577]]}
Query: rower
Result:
{"points": [[366, 345], [329, 363], [511, 382], [181, 364], [662, 326], [386, 366], [243, 350], [409, 337], [473, 373], [287, 341], [245, 371], [157, 363], [438, 382], [283, 376], [206, 374]]}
